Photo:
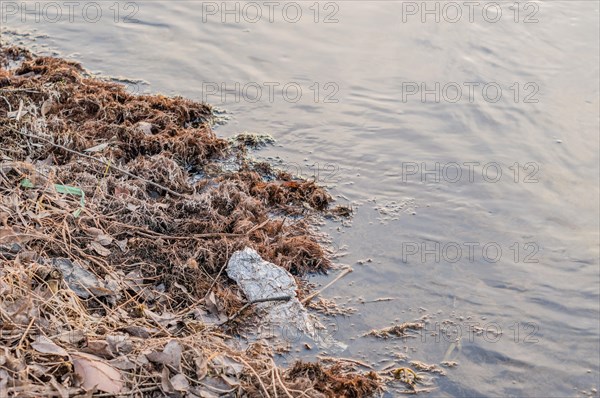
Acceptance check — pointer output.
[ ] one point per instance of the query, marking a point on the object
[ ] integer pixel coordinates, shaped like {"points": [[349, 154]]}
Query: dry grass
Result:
{"points": [[147, 243]]}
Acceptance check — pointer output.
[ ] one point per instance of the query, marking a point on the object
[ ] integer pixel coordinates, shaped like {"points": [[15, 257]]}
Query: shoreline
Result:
{"points": [[97, 191]]}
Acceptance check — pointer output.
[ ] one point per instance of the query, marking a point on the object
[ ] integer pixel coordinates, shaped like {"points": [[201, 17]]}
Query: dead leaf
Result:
{"points": [[123, 363], [171, 355], [97, 374], [211, 304], [122, 245], [80, 280], [119, 343], [201, 367], [232, 381], [10, 236], [140, 331], [46, 106], [100, 348], [99, 235], [165, 382], [71, 337], [98, 248], [44, 345], [229, 365], [180, 383], [104, 240]]}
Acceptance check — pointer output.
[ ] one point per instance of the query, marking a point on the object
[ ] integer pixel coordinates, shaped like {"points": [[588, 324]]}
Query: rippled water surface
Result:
{"points": [[478, 209]]}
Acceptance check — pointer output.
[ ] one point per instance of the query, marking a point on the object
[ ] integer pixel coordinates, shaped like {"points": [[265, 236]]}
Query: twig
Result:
{"points": [[379, 300], [107, 164], [214, 282], [354, 361], [26, 90], [315, 294], [248, 304], [25, 333]]}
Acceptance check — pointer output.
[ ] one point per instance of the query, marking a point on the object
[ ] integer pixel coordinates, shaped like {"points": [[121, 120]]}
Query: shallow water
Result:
{"points": [[510, 244]]}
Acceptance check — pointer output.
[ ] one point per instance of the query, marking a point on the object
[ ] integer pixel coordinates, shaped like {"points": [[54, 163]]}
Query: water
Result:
{"points": [[533, 272]]}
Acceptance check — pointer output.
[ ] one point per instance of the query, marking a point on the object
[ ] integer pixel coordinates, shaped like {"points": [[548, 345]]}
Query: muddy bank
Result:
{"points": [[118, 215]]}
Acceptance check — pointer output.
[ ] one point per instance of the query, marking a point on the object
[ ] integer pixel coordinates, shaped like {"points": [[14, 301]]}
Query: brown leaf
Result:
{"points": [[165, 382], [10, 235], [180, 383], [171, 355], [123, 363], [99, 235], [94, 232], [72, 336], [104, 239], [211, 304], [100, 348], [46, 106], [97, 374], [122, 245], [201, 367], [140, 331], [44, 345], [98, 248]]}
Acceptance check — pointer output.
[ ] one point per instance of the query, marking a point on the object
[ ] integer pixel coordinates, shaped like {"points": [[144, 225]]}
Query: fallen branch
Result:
{"points": [[315, 294]]}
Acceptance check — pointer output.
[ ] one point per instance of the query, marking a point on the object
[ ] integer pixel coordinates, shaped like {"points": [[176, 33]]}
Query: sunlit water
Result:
{"points": [[477, 207]]}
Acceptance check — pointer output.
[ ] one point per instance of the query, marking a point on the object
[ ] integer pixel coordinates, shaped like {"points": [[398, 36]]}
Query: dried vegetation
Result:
{"points": [[118, 214]]}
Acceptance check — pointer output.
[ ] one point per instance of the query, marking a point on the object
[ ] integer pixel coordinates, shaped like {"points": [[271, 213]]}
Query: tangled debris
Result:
{"points": [[330, 382], [403, 330], [118, 215], [330, 307]]}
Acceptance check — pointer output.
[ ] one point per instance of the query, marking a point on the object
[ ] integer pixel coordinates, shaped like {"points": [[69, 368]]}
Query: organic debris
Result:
{"points": [[118, 215], [401, 330], [252, 140], [428, 368], [329, 382], [330, 307]]}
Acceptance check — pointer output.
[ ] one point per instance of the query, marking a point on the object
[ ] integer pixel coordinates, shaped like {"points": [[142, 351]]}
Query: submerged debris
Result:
{"points": [[112, 252], [428, 368], [329, 382], [401, 330], [330, 307], [252, 140]]}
